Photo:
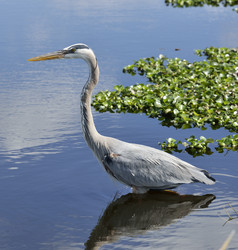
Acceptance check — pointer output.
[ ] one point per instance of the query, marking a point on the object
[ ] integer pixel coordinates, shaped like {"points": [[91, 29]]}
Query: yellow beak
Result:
{"points": [[50, 56]]}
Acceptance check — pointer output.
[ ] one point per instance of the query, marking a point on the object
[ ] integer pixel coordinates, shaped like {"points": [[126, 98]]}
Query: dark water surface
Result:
{"points": [[53, 192]]}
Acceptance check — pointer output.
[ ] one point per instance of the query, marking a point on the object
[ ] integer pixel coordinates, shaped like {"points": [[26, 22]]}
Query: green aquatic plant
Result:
{"points": [[228, 143], [198, 147], [193, 146], [183, 94], [201, 3]]}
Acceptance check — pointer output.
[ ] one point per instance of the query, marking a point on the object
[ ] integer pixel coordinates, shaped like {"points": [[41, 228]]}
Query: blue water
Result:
{"points": [[53, 192]]}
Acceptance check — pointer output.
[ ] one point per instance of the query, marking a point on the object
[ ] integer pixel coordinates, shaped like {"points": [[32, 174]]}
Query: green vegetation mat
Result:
{"points": [[183, 95], [201, 3]]}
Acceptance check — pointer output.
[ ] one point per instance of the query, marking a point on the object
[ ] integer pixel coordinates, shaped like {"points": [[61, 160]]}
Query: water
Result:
{"points": [[53, 192]]}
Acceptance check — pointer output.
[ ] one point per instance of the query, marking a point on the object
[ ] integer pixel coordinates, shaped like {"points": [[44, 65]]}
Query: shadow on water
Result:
{"points": [[134, 214]]}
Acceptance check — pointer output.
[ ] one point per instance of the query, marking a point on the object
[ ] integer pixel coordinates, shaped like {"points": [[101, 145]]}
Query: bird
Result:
{"points": [[140, 167]]}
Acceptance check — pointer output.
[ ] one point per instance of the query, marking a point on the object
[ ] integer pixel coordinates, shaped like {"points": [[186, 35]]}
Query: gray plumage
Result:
{"points": [[138, 166]]}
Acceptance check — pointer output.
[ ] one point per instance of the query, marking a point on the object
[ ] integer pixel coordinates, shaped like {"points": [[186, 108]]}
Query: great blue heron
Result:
{"points": [[138, 166]]}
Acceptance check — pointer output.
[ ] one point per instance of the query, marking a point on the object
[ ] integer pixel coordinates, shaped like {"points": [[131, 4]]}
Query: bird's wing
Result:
{"points": [[142, 166]]}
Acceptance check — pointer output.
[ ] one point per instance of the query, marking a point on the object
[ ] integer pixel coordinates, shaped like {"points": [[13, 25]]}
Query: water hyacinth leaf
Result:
{"points": [[181, 94]]}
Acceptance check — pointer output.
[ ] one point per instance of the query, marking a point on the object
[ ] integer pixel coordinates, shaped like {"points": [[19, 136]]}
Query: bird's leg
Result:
{"points": [[139, 190]]}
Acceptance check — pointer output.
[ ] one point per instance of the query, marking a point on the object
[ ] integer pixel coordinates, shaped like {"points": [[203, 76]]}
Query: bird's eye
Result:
{"points": [[72, 50]]}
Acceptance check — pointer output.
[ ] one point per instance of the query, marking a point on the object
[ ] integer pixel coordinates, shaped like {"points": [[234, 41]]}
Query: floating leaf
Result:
{"points": [[181, 94]]}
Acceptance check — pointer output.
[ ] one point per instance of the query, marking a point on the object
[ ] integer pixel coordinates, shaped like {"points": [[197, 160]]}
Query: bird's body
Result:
{"points": [[138, 166], [144, 168]]}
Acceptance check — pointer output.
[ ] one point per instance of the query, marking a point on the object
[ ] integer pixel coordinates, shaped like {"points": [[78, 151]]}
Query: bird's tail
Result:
{"points": [[208, 176], [204, 177]]}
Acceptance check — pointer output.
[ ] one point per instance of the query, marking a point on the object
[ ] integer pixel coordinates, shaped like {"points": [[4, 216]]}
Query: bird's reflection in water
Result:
{"points": [[134, 214]]}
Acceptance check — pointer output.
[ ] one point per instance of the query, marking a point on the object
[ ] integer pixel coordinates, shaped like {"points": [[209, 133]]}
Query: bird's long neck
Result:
{"points": [[90, 133]]}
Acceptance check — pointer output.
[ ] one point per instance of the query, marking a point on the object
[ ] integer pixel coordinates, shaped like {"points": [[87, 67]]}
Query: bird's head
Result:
{"points": [[78, 50]]}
